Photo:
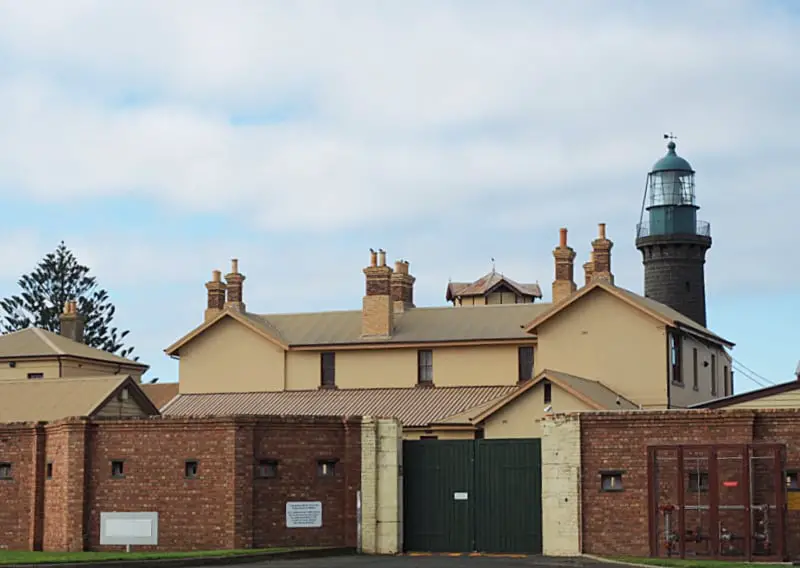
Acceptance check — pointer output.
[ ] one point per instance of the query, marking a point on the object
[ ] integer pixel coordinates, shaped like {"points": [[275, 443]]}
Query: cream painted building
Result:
{"points": [[35, 353], [491, 365]]}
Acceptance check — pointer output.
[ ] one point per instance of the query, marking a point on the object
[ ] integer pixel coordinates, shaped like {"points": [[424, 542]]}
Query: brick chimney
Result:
{"points": [[377, 316], [601, 253], [402, 287], [564, 284], [216, 295], [588, 269], [234, 287], [72, 323]]}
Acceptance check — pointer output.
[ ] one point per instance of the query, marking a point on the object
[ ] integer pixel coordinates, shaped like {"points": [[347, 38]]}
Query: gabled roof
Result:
{"points": [[593, 393], [414, 407], [416, 325], [35, 400], [656, 310], [488, 283], [160, 393], [750, 396], [33, 342]]}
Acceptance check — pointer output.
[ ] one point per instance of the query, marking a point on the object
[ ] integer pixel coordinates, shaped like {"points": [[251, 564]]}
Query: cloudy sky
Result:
{"points": [[160, 139]]}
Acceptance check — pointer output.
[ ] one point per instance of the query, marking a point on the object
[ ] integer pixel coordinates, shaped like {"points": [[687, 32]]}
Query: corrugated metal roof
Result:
{"points": [[412, 406], [35, 342], [31, 400], [415, 325], [593, 390]]}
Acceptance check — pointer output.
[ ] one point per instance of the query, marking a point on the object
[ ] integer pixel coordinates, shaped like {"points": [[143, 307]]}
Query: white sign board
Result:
{"points": [[129, 528], [461, 496], [303, 514]]}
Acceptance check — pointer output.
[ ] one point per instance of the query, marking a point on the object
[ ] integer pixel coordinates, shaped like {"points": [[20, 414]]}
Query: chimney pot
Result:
{"points": [[234, 266], [373, 257], [602, 230], [381, 257], [216, 276], [563, 240], [72, 323]]}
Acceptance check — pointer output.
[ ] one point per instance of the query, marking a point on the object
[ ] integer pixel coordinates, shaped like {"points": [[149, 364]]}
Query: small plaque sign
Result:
{"points": [[460, 496], [303, 514], [730, 483]]}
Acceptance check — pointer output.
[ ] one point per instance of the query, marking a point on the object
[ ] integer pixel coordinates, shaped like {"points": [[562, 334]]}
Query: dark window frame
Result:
{"points": [[611, 481], [191, 469], [695, 370], [698, 482], [725, 385], [34, 376], [267, 468], [525, 357], [792, 480], [714, 389], [676, 358], [121, 474], [547, 387], [429, 437], [48, 470], [326, 467], [425, 366], [327, 369], [6, 470]]}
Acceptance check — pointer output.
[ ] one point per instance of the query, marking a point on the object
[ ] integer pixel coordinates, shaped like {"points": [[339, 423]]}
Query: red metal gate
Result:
{"points": [[718, 501]]}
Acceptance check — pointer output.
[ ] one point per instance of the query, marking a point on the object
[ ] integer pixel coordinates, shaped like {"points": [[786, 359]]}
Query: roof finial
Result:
{"points": [[671, 137], [493, 265]]}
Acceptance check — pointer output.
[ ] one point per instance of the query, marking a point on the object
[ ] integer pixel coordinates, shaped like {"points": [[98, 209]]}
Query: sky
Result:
{"points": [[161, 139]]}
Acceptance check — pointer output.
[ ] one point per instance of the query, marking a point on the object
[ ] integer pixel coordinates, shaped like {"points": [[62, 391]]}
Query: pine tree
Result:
{"points": [[57, 278]]}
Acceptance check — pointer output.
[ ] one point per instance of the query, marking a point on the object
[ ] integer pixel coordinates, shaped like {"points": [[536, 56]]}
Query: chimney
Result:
{"points": [[377, 315], [563, 285], [72, 323], [402, 287], [234, 287], [216, 295], [601, 255], [588, 269], [797, 371]]}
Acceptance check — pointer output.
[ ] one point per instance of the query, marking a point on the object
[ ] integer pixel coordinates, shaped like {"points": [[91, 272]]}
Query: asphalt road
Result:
{"points": [[423, 562]]}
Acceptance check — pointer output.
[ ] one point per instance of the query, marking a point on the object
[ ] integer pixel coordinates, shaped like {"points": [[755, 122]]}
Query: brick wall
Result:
{"points": [[224, 506], [617, 523]]}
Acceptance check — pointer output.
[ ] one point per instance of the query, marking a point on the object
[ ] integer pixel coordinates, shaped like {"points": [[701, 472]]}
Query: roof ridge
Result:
{"points": [[365, 389], [416, 309], [60, 379], [49, 342]]}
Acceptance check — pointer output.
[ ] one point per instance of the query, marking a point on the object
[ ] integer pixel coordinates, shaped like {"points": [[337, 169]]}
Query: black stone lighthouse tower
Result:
{"points": [[672, 241]]}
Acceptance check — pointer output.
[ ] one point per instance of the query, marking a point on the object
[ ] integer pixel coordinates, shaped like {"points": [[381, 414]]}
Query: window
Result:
{"points": [[429, 437], [792, 481], [267, 469], [328, 369], [117, 468], [35, 375], [49, 470], [698, 482], [326, 468], [190, 469], [713, 375], [675, 358], [695, 374], [611, 481], [725, 385], [548, 392], [5, 470], [425, 366], [525, 363]]}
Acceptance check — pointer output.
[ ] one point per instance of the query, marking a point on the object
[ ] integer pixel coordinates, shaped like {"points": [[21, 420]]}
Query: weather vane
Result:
{"points": [[670, 136], [492, 265]]}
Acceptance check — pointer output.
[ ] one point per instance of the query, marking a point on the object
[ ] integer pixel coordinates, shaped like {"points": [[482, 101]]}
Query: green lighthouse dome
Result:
{"points": [[672, 162]]}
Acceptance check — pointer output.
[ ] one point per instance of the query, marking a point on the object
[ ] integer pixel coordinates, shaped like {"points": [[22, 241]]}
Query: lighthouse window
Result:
{"points": [[688, 286]]}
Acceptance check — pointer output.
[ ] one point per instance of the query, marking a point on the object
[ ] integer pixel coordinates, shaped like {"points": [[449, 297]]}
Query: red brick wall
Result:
{"points": [[617, 523], [223, 507], [18, 447]]}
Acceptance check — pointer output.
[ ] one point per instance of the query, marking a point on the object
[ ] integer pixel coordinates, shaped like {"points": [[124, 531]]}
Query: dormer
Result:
{"points": [[493, 288]]}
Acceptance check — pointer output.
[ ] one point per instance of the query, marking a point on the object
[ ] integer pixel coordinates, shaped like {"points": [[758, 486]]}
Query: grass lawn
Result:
{"points": [[25, 557], [678, 563]]}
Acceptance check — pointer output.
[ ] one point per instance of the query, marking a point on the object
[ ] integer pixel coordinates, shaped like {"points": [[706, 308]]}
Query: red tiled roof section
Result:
{"points": [[412, 406], [486, 283]]}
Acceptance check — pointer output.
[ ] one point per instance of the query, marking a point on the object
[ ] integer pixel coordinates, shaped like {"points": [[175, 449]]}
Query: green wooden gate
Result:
{"points": [[472, 496]]}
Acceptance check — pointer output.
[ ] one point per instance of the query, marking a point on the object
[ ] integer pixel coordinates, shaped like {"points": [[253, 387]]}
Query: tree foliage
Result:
{"points": [[57, 278]]}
